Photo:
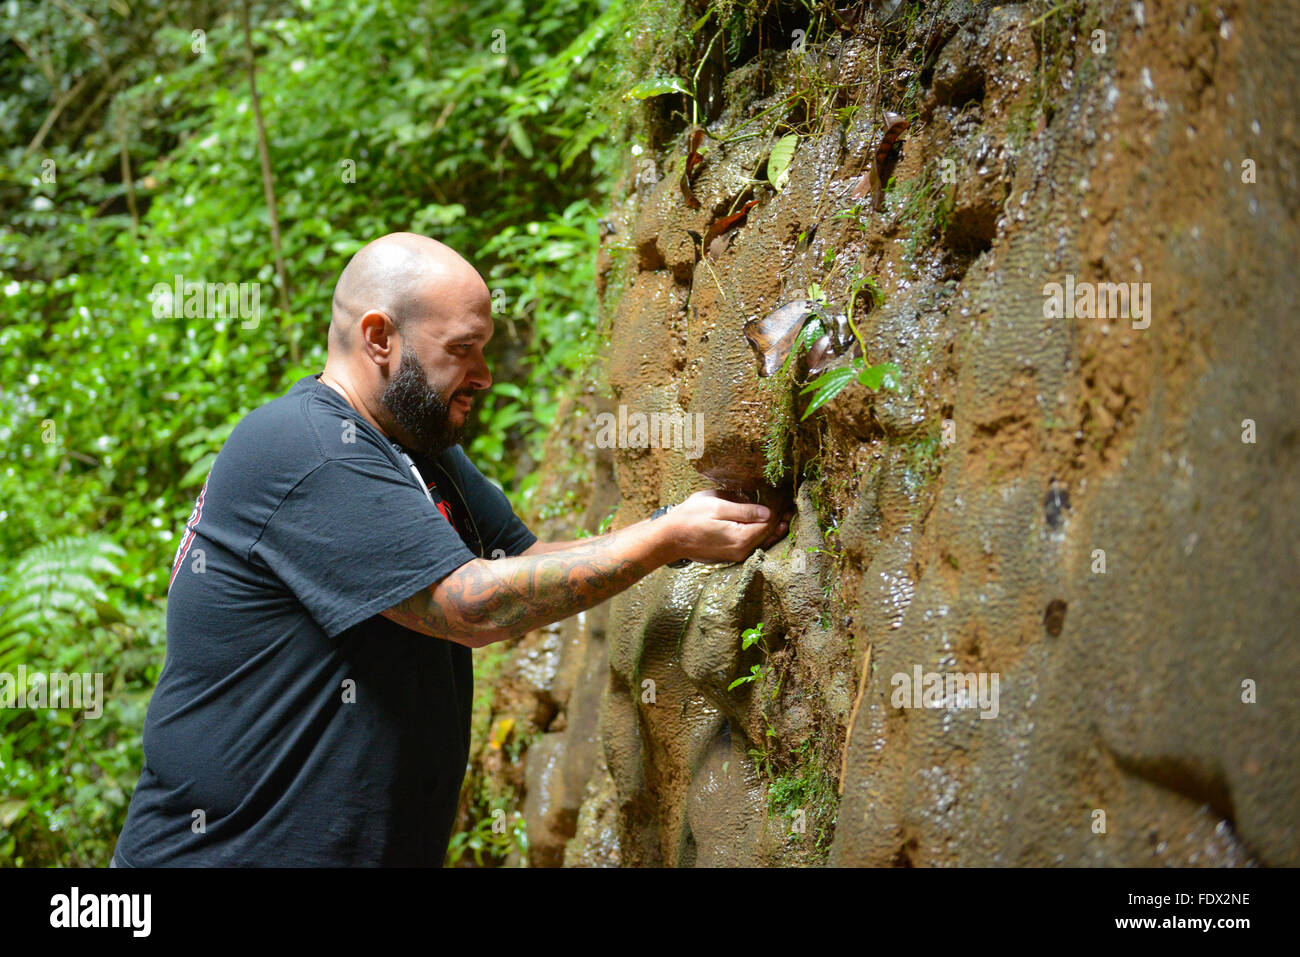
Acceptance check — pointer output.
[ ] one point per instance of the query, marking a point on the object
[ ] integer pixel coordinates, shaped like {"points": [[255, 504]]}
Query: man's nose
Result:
{"points": [[482, 376]]}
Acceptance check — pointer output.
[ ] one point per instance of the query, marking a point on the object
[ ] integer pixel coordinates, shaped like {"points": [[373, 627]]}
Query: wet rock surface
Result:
{"points": [[1063, 501]]}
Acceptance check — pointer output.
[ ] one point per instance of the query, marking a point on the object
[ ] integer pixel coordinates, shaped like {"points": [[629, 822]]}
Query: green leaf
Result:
{"points": [[435, 215], [754, 672], [10, 811], [827, 386], [507, 389], [812, 331], [702, 20], [657, 87], [778, 161], [885, 375], [198, 470], [520, 139]]}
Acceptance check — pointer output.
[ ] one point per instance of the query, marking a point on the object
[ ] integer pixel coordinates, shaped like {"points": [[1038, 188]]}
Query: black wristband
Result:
{"points": [[662, 510]]}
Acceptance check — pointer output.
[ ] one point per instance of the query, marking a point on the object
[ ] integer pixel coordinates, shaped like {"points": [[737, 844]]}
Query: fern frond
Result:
{"points": [[52, 582]]}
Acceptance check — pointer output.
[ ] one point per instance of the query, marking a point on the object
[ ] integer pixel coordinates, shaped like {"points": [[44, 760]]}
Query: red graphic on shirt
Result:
{"points": [[445, 509]]}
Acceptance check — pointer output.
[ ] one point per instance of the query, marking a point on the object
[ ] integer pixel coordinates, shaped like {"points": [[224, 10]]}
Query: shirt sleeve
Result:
{"points": [[355, 537], [502, 531]]}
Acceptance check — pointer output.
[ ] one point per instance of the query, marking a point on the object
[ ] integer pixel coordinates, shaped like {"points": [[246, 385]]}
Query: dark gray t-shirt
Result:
{"points": [[292, 723]]}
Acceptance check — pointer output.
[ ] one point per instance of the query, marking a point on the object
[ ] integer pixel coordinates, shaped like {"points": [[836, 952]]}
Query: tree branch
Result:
{"points": [[268, 186]]}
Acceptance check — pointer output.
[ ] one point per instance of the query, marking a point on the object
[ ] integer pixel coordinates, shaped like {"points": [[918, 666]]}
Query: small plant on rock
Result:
{"points": [[748, 638]]}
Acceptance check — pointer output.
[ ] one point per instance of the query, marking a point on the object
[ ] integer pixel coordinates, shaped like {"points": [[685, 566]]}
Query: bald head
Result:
{"points": [[404, 275], [409, 324]]}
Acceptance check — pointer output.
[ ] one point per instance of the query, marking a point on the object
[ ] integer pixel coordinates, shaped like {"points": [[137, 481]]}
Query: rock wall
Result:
{"points": [[1096, 508]]}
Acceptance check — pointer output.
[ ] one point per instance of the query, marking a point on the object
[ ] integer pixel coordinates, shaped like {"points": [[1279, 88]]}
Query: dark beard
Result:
{"points": [[420, 410]]}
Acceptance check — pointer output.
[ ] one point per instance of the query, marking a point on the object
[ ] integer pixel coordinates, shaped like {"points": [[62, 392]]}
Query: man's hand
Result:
{"points": [[709, 528]]}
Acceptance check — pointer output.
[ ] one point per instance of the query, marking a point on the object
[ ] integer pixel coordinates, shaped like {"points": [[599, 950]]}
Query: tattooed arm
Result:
{"points": [[485, 601], [540, 548]]}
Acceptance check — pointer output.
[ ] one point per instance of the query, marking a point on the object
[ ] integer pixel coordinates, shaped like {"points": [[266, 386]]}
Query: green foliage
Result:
{"points": [[602, 528], [53, 583], [778, 161], [748, 638], [488, 665], [498, 835], [809, 787], [755, 673], [658, 87], [65, 772], [544, 284], [927, 204], [922, 462], [854, 216], [147, 400], [751, 636], [1059, 27], [779, 390], [859, 285], [479, 124], [832, 382]]}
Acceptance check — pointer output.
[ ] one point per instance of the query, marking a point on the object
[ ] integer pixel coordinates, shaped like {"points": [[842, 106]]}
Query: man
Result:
{"points": [[340, 562]]}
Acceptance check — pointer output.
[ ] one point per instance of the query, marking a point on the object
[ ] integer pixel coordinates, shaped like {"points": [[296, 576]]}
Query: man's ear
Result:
{"points": [[378, 337]]}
